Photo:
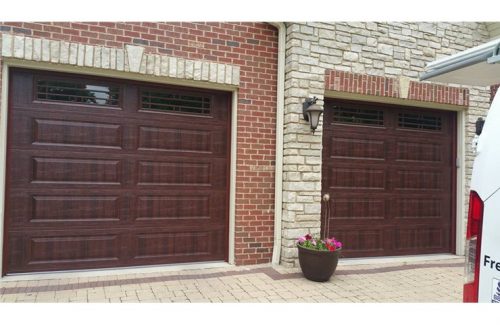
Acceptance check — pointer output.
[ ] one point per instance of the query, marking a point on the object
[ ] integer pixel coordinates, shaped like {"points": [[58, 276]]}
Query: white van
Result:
{"points": [[477, 67]]}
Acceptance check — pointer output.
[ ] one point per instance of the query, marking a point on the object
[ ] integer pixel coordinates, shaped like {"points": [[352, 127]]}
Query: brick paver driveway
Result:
{"points": [[431, 281]]}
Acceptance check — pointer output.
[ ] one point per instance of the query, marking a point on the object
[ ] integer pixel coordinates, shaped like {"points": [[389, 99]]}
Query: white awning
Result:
{"points": [[475, 66]]}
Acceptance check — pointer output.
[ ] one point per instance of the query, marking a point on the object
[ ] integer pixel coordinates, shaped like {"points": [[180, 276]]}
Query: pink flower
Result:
{"points": [[301, 239], [308, 237]]}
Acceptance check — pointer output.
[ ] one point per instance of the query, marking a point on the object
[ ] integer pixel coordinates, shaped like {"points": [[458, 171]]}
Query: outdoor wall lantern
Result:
{"points": [[312, 112]]}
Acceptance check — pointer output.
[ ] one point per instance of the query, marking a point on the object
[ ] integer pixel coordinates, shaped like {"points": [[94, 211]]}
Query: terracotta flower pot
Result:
{"points": [[318, 265]]}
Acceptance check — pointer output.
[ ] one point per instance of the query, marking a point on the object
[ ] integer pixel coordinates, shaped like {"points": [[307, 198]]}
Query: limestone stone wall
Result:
{"points": [[395, 50]]}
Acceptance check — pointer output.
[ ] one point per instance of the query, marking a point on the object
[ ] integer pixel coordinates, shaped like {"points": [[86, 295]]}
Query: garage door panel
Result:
{"points": [[354, 148], [85, 134], [420, 151], [361, 241], [389, 173], [72, 170], [420, 208], [418, 180], [357, 178], [62, 210], [201, 208], [360, 208], [32, 251], [117, 184], [427, 239]]}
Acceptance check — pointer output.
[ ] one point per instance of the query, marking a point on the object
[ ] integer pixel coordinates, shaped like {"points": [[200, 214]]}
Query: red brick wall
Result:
{"points": [[493, 91], [253, 47], [389, 87]]}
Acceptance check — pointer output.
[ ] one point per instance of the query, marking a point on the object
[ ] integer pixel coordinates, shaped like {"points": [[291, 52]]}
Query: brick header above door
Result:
{"points": [[402, 87]]}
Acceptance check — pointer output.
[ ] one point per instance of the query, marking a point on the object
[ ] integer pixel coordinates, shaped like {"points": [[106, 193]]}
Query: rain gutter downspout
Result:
{"points": [[280, 110]]}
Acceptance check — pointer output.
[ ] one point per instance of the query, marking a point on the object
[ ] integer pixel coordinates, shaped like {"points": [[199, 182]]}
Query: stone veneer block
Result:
{"points": [[73, 53], [120, 60], [205, 71], [134, 56], [197, 70], [181, 68], [143, 66], [55, 51], [45, 50], [80, 58], [172, 67], [189, 69], [229, 74], [19, 47], [97, 56], [89, 55], [164, 66], [28, 48], [221, 70], [157, 67], [64, 55], [212, 77], [150, 64], [37, 49], [112, 59], [105, 57], [7, 45]]}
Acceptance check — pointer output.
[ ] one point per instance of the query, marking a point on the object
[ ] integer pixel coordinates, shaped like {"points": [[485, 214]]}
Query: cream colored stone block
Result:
{"points": [[112, 59], [229, 74], [105, 57], [7, 45], [45, 50], [55, 51], [181, 68], [19, 46], [28, 48], [205, 71], [120, 60], [404, 86], [221, 73], [89, 55], [73, 53], [157, 65], [134, 56], [97, 57], [64, 53], [172, 67], [143, 66], [81, 55], [212, 77], [37, 49], [150, 64], [164, 66], [189, 69], [197, 70]]}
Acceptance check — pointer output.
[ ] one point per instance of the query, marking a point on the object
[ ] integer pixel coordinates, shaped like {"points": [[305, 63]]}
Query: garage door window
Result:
{"points": [[358, 116], [78, 92], [420, 121], [175, 102]]}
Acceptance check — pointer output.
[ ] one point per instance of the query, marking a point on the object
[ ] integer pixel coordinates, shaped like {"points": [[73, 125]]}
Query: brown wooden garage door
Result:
{"points": [[109, 173], [390, 174]]}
